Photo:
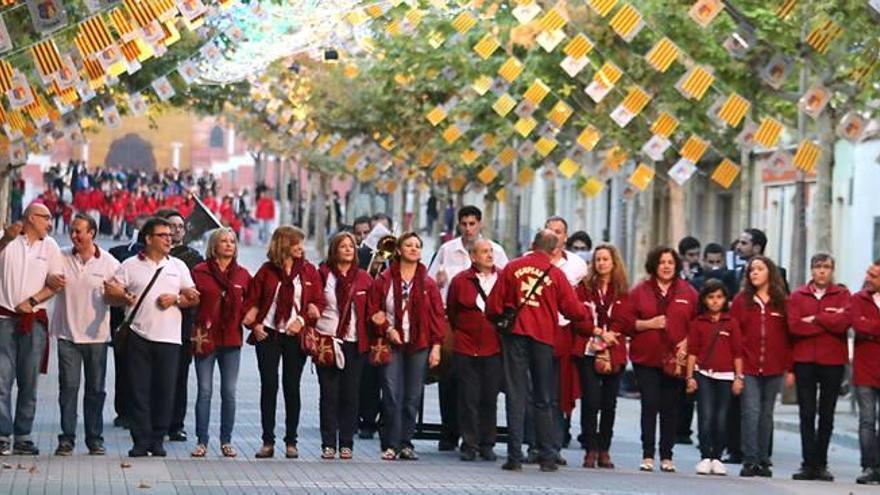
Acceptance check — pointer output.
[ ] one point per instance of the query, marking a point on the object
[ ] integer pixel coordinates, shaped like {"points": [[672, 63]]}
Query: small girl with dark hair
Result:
{"points": [[715, 353]]}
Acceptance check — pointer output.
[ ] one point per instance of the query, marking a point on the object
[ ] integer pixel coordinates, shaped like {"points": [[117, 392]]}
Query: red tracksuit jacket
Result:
{"points": [[766, 348], [429, 323], [621, 321], [727, 346], [648, 347], [360, 291], [473, 333], [866, 322], [824, 340]]}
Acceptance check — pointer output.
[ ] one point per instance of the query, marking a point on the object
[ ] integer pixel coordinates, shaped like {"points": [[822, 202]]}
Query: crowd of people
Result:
{"points": [[553, 326]]}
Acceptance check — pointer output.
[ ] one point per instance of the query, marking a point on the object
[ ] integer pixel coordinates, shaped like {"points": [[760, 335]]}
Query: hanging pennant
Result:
{"points": [[452, 134], [734, 110], [627, 22], [576, 52], [486, 46], [46, 59], [536, 92], [807, 156], [568, 167], [725, 173], [525, 125], [47, 16], [603, 81], [776, 71], [694, 148], [20, 93], [694, 84], [111, 116], [482, 84], [525, 176], [545, 145], [464, 22], [656, 147], [163, 88], [136, 104], [769, 132], [560, 114], [814, 101], [602, 7], [511, 69], [664, 125], [852, 127], [5, 40], [662, 55], [821, 37], [589, 137], [437, 115], [785, 8], [641, 177], [525, 12], [682, 171], [705, 11], [592, 187], [614, 158], [188, 72]]}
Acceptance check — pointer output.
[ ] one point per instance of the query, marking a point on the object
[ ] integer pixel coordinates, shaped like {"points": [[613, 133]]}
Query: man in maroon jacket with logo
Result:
{"points": [[865, 317], [538, 292]]}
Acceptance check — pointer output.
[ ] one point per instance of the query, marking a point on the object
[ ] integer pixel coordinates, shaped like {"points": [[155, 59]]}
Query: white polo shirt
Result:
{"points": [[575, 270], [81, 315], [151, 322], [24, 268], [453, 258]]}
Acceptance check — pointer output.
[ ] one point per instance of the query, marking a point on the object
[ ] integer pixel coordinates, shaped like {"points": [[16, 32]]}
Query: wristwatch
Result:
{"points": [[32, 301], [178, 300]]}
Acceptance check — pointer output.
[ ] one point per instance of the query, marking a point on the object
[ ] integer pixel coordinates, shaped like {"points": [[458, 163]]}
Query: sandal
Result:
{"points": [[647, 465], [345, 453], [667, 466], [328, 453], [228, 450], [389, 455], [200, 450]]}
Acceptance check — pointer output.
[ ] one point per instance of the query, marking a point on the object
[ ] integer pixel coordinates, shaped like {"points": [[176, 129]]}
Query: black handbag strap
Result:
{"points": [[140, 300], [534, 289], [479, 289]]}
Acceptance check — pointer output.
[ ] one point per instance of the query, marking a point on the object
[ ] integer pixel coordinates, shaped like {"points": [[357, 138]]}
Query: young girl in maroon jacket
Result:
{"points": [[285, 295], [715, 352], [406, 309]]}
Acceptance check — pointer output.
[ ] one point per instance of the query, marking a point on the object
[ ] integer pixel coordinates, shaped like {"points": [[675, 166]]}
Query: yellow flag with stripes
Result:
{"points": [[560, 113], [437, 115], [592, 187], [694, 84], [545, 145], [482, 85], [93, 35], [463, 22], [627, 22], [486, 46], [568, 167], [506, 156], [807, 156], [821, 36], [785, 8], [487, 175], [504, 104], [664, 125], [734, 109], [615, 157], [725, 173], [579, 47], [525, 176], [552, 21], [769, 132], [525, 125], [694, 148], [642, 176], [636, 100], [451, 134], [589, 137], [602, 7], [662, 55], [47, 59], [536, 92], [510, 69], [608, 74]]}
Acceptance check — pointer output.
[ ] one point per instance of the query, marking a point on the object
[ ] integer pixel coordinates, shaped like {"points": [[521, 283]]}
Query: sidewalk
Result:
{"points": [[846, 422]]}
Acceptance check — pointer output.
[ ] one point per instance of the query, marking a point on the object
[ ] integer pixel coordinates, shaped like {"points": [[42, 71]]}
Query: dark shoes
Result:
{"points": [[870, 476], [549, 467], [447, 445], [511, 465], [750, 470], [5, 448], [177, 436], [468, 455], [97, 448], [813, 473], [487, 454], [25, 447], [158, 450], [407, 454], [64, 449], [532, 458], [266, 451], [590, 459], [138, 451], [605, 461]]}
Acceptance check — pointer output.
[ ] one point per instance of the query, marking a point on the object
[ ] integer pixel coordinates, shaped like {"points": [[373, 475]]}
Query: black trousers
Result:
{"points": [[686, 407], [479, 385], [369, 404], [122, 386], [810, 379], [152, 368], [283, 349], [338, 404], [525, 361], [447, 389], [598, 395], [734, 428], [659, 396], [178, 412]]}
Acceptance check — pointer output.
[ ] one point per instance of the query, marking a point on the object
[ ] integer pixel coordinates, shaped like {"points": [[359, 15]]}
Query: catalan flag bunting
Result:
{"points": [[627, 22], [769, 132], [525, 176], [615, 157], [807, 156], [662, 55], [568, 168], [725, 173], [510, 69], [560, 113], [507, 156], [552, 21], [486, 46], [579, 47], [608, 74], [636, 100], [664, 125], [536, 92], [602, 7], [545, 145], [696, 82], [46, 58], [785, 8], [694, 148], [437, 115], [6, 73], [93, 36], [592, 187], [589, 137], [642, 176], [464, 22], [821, 36], [487, 175], [734, 110], [504, 104], [525, 125]]}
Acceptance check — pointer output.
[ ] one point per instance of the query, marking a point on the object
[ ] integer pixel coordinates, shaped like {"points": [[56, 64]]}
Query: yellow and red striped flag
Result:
{"points": [[437, 115], [664, 125], [695, 83], [545, 145], [451, 134], [464, 22], [568, 167], [487, 175], [578, 47], [602, 7], [510, 69], [627, 22], [47, 58], [482, 84], [608, 74], [525, 176], [823, 34], [694, 148], [93, 36], [504, 104], [785, 8], [725, 173], [536, 92], [636, 100], [662, 55], [589, 137], [6, 73], [734, 109], [507, 156], [807, 156], [769, 132], [486, 46], [592, 187], [552, 21], [525, 125], [615, 157], [642, 176], [560, 113]]}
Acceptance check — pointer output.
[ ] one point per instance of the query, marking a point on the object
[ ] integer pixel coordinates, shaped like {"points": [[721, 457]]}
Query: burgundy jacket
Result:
{"points": [[621, 322], [473, 333], [824, 340], [766, 346], [265, 282], [866, 322], [361, 290], [727, 346], [429, 323], [224, 333], [648, 347], [539, 318]]}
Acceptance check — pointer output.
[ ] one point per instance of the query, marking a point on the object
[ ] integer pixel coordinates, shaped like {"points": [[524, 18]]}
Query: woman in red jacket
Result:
{"points": [[604, 291], [818, 319], [345, 319], [285, 295], [663, 305], [406, 309], [223, 284], [760, 310]]}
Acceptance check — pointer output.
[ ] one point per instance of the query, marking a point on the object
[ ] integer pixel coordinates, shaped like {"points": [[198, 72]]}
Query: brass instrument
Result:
{"points": [[385, 249]]}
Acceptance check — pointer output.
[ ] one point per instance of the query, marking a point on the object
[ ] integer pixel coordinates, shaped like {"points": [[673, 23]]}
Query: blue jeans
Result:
{"points": [[74, 360], [20, 357], [714, 400], [403, 383], [758, 400], [869, 443], [227, 359]]}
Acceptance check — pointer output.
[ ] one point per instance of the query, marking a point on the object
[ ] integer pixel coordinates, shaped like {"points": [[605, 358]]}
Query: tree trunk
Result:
{"points": [[489, 215], [5, 199], [259, 167], [643, 204], [677, 227], [510, 239], [822, 199], [321, 213], [307, 210], [417, 209], [283, 180], [353, 197], [798, 268]]}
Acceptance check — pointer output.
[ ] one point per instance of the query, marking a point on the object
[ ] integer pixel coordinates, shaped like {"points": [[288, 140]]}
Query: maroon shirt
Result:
{"points": [[225, 332], [727, 346], [473, 333], [648, 347], [866, 323], [766, 347], [824, 340]]}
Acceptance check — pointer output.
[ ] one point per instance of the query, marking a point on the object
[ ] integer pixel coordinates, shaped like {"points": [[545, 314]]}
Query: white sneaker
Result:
{"points": [[718, 468], [704, 466]]}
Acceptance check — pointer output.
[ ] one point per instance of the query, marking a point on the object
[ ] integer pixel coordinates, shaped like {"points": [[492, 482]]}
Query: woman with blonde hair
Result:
{"points": [[217, 336], [285, 296]]}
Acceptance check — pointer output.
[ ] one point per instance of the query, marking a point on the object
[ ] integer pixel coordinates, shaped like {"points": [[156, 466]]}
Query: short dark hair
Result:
{"points": [[93, 225], [470, 211], [582, 236], [361, 219], [758, 238], [688, 243], [151, 224], [712, 286], [557, 218], [382, 216], [167, 213], [653, 261], [545, 241], [821, 257], [713, 248]]}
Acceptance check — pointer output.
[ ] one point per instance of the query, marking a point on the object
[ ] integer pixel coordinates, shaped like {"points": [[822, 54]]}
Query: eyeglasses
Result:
{"points": [[163, 236]]}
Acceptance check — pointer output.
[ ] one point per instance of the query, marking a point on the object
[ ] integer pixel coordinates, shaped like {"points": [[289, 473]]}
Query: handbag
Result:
{"points": [[319, 346], [380, 352], [123, 331], [505, 321], [202, 343], [602, 363], [675, 364]]}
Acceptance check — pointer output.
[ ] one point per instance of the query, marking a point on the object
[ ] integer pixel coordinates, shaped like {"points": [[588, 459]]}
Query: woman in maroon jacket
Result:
{"points": [[662, 305], [604, 291], [476, 353], [406, 309], [345, 319], [818, 319], [285, 295], [223, 284], [760, 310]]}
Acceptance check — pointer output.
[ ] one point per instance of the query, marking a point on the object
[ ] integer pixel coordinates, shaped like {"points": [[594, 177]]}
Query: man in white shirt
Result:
{"points": [[81, 322], [153, 346], [451, 259], [30, 272]]}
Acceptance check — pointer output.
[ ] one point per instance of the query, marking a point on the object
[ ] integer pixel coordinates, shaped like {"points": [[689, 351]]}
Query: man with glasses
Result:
{"points": [[30, 274], [190, 258], [154, 343]]}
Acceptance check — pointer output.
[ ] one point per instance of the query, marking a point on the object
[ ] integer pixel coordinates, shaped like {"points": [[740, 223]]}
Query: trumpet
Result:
{"points": [[385, 249]]}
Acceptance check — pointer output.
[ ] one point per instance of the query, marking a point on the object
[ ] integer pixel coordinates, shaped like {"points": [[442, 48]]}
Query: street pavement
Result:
{"points": [[436, 472]]}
